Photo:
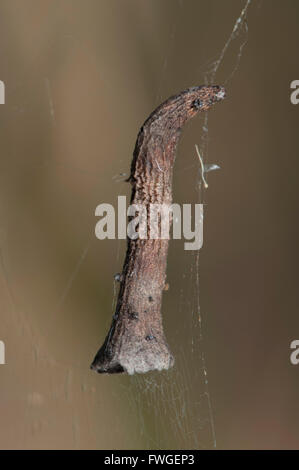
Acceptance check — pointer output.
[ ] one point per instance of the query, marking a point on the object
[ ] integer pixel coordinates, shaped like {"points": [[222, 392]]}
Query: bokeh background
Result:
{"points": [[81, 77]]}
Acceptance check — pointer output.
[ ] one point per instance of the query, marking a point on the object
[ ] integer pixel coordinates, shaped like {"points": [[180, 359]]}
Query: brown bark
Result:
{"points": [[136, 341]]}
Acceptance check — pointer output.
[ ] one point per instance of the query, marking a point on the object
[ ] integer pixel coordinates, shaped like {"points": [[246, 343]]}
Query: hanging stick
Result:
{"points": [[136, 342]]}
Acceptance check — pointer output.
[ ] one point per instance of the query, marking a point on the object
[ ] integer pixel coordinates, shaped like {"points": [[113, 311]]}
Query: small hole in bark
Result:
{"points": [[134, 315], [196, 104], [149, 338], [150, 299]]}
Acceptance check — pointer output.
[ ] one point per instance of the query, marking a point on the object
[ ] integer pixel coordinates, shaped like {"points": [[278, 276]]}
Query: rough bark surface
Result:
{"points": [[136, 341]]}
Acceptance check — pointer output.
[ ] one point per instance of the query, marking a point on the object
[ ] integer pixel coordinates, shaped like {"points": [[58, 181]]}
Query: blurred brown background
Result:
{"points": [[81, 77]]}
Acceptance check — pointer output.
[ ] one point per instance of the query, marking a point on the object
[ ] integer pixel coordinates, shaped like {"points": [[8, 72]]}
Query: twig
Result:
{"points": [[136, 342]]}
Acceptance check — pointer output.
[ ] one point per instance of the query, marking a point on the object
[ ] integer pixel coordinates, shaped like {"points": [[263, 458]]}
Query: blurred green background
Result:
{"points": [[81, 77]]}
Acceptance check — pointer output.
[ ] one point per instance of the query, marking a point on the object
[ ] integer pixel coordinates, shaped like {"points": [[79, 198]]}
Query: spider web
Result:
{"points": [[170, 409], [174, 408]]}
